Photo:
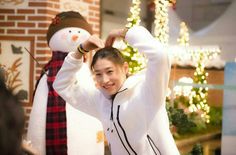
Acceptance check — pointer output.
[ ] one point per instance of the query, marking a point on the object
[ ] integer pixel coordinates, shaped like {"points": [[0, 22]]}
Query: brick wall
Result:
{"points": [[30, 20]]}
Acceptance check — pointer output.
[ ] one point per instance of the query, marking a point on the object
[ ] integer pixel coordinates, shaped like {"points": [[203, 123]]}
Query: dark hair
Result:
{"points": [[109, 53], [11, 122]]}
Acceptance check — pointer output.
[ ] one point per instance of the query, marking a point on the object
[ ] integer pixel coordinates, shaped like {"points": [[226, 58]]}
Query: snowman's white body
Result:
{"points": [[83, 131]]}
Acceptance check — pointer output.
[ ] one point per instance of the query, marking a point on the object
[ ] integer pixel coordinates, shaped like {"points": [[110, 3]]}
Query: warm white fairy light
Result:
{"points": [[192, 53], [199, 100], [198, 55], [203, 54], [183, 39], [161, 30], [134, 17], [183, 90], [136, 61]]}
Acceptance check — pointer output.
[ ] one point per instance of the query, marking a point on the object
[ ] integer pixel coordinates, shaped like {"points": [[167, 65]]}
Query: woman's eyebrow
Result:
{"points": [[108, 68]]}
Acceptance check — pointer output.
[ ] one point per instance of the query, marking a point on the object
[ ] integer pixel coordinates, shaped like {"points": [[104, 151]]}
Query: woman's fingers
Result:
{"points": [[101, 43], [116, 33], [92, 43], [109, 41], [98, 43], [111, 38]]}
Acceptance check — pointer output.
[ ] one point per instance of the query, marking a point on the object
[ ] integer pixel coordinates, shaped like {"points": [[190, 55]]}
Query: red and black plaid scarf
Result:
{"points": [[56, 135]]}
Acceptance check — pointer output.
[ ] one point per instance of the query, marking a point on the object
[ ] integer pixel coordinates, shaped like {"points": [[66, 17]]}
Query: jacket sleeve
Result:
{"points": [[158, 66], [76, 86]]}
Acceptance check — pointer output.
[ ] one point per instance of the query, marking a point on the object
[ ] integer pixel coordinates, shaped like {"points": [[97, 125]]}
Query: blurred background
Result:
{"points": [[199, 34]]}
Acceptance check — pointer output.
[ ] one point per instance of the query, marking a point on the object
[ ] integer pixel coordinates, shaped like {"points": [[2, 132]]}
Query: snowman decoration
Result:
{"points": [[55, 127]]}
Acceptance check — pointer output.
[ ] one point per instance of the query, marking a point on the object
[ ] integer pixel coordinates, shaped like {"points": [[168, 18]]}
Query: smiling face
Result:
{"points": [[109, 76]]}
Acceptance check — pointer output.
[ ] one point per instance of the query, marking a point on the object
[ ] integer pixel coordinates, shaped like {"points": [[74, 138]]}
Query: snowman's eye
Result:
{"points": [[78, 31], [69, 31]]}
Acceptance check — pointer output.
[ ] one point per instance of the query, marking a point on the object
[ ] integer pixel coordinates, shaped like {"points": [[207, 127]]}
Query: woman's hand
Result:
{"points": [[92, 43], [116, 33]]}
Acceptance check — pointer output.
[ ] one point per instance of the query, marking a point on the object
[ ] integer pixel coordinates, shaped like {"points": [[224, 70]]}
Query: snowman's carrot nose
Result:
{"points": [[74, 37]]}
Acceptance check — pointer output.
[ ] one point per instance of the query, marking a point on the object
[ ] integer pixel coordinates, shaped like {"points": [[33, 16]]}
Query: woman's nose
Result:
{"points": [[105, 79]]}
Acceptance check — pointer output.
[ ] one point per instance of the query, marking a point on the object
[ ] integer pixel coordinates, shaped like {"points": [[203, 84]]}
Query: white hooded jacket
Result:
{"points": [[135, 121]]}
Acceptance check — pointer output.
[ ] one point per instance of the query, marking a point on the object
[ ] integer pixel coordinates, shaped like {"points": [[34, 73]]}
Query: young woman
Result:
{"points": [[131, 109]]}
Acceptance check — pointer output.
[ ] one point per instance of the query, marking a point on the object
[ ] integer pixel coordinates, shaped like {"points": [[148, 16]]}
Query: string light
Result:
{"points": [[180, 54], [199, 56], [136, 61], [134, 17], [198, 96], [199, 99], [161, 30], [183, 90], [183, 39]]}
